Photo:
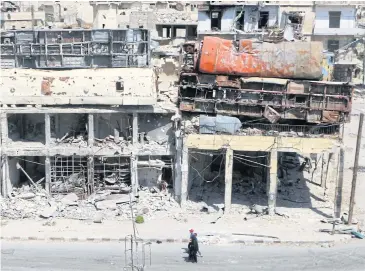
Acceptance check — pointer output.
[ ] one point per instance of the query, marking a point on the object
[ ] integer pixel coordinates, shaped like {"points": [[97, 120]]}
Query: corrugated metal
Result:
{"points": [[296, 60]]}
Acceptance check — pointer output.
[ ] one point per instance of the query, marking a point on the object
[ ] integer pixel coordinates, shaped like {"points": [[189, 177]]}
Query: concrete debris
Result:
{"points": [[49, 223], [49, 211], [70, 199], [79, 140], [98, 218], [191, 126], [104, 205], [259, 132], [28, 195], [258, 209]]}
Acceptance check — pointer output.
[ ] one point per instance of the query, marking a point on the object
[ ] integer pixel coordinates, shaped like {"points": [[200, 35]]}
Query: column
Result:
{"points": [[47, 166], [177, 171], [135, 128], [336, 176], [47, 127], [228, 181], [90, 131], [273, 185], [184, 174], [4, 129], [90, 174], [116, 135], [5, 182], [134, 174]]}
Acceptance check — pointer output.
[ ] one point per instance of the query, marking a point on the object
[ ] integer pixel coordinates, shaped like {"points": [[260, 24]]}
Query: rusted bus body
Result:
{"points": [[298, 60], [218, 81], [271, 98]]}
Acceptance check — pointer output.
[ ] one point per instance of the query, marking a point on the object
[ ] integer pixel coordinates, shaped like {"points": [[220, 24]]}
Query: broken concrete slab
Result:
{"points": [[28, 195], [70, 199], [118, 198], [106, 205], [49, 211]]}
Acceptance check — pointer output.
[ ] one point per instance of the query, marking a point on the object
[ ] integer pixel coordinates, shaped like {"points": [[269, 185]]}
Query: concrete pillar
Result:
{"points": [[91, 130], [228, 181], [273, 185], [90, 174], [116, 135], [47, 127], [134, 174], [336, 176], [4, 129], [135, 128], [184, 174], [5, 182], [47, 166], [177, 171]]}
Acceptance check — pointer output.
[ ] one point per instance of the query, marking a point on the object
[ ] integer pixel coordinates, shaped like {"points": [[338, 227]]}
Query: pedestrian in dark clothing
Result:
{"points": [[193, 248]]}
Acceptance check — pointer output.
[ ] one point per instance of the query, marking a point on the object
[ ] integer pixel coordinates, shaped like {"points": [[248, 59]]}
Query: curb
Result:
{"points": [[156, 240]]}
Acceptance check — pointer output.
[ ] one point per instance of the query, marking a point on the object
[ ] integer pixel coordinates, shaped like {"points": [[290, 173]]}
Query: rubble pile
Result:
{"points": [[103, 205], [191, 126], [261, 132], [111, 143], [173, 16], [79, 140]]}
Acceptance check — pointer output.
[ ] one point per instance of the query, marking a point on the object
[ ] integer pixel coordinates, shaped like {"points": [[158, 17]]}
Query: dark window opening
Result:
{"points": [[357, 72], [119, 85], [294, 19], [333, 45], [240, 20], [103, 26], [300, 100], [167, 176], [334, 19], [215, 21], [264, 19]]}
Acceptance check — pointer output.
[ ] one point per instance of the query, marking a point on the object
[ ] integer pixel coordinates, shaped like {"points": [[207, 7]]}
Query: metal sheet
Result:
{"points": [[296, 60], [220, 124]]}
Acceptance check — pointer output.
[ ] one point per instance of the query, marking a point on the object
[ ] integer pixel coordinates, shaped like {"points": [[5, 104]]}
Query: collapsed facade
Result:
{"points": [[87, 120], [238, 102], [93, 116]]}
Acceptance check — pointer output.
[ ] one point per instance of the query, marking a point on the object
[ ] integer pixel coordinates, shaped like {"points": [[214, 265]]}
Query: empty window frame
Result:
{"points": [[333, 45], [264, 19], [240, 19], [215, 20], [334, 19]]}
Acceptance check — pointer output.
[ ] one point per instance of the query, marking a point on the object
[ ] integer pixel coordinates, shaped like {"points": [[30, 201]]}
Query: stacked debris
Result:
{"points": [[97, 207], [119, 144], [79, 140], [191, 125]]}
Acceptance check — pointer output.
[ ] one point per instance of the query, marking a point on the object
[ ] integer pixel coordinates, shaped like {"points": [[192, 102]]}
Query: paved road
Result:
{"points": [[24, 256]]}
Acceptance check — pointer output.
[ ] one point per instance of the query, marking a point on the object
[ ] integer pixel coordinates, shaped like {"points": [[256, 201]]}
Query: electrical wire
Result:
{"points": [[246, 160]]}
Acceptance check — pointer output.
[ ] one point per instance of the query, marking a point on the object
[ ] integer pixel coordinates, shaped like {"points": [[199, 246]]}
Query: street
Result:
{"points": [[24, 256]]}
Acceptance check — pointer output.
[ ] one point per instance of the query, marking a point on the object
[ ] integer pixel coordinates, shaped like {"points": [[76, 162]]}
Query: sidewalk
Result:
{"points": [[229, 229]]}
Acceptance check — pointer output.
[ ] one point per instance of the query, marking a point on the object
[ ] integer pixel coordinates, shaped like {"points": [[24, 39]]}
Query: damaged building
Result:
{"points": [[88, 120], [248, 120], [255, 122]]}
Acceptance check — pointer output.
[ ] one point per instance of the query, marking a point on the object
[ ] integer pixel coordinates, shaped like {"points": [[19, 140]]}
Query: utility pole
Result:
{"points": [[355, 169], [363, 63]]}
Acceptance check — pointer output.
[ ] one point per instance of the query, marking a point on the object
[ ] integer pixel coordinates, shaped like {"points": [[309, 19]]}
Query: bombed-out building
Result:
{"points": [[79, 112], [85, 111], [251, 112]]}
